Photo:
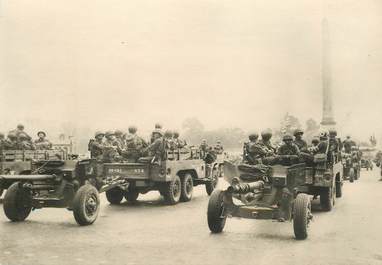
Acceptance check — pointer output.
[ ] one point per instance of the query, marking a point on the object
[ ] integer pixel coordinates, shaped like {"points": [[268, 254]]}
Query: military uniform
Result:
{"points": [[348, 144], [301, 144], [42, 143], [157, 149], [134, 147], [289, 149], [10, 144]]}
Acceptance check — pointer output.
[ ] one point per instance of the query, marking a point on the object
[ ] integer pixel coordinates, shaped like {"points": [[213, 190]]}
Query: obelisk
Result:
{"points": [[327, 103]]}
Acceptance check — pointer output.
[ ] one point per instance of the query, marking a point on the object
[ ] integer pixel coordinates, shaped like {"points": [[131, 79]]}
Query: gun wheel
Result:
{"points": [[215, 212], [211, 185], [86, 205], [301, 216], [17, 203], [114, 196]]}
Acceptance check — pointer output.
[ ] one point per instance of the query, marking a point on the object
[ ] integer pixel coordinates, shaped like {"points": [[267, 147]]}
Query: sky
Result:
{"points": [[105, 64]]}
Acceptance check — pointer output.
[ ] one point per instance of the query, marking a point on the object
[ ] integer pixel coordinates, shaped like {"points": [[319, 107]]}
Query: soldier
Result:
{"points": [[315, 141], [169, 140], [178, 142], [42, 143], [119, 141], [203, 148], [218, 148], [157, 149], [301, 143], [11, 142], [110, 150], [348, 143], [20, 129], [134, 145], [265, 141], [250, 149], [288, 148], [25, 143], [96, 146], [158, 127], [322, 147]]}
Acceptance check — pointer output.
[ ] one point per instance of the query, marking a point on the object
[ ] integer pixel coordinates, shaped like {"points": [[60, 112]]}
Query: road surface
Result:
{"points": [[153, 233]]}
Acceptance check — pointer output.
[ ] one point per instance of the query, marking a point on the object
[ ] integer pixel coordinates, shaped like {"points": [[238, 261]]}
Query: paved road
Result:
{"points": [[153, 233]]}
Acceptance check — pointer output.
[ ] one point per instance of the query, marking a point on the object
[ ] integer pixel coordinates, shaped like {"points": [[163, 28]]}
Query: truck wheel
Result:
{"points": [[211, 185], [114, 196], [215, 212], [301, 216], [351, 174], [172, 191], [187, 188], [1, 191], [327, 199], [17, 203], [131, 195], [86, 205], [339, 189]]}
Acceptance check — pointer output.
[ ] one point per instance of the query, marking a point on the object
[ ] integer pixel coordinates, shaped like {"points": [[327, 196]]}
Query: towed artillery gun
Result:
{"points": [[262, 192], [52, 181], [174, 176]]}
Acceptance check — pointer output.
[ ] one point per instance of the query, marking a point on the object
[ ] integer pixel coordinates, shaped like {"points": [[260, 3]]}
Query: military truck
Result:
{"points": [[326, 180], [174, 177], [351, 167], [368, 154], [265, 193]]}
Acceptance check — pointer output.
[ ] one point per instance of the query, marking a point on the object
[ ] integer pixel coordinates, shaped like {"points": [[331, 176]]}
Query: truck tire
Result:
{"points": [[215, 211], [211, 185], [351, 174], [17, 203], [339, 185], [131, 195], [114, 196], [172, 191], [301, 216], [327, 199], [187, 187], [1, 191], [86, 205]]}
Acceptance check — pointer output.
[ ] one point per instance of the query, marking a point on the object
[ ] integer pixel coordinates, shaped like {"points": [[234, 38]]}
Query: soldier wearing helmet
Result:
{"points": [[110, 151], [203, 148], [134, 145], [218, 148], [156, 150], [158, 127], [265, 141], [335, 145], [168, 139], [347, 144], [179, 143], [251, 149], [301, 143], [11, 142], [41, 142], [120, 143], [24, 142], [289, 148], [20, 130], [96, 146]]}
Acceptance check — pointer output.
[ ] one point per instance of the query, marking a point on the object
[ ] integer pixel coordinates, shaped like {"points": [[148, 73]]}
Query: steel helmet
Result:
{"points": [[253, 136], [287, 137], [99, 133], [297, 132], [132, 129]]}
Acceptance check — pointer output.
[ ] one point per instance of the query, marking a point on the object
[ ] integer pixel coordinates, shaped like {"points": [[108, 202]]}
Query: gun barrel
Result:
{"points": [[243, 188]]}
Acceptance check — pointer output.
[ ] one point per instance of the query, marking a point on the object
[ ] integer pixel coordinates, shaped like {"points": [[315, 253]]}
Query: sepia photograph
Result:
{"points": [[190, 132]]}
